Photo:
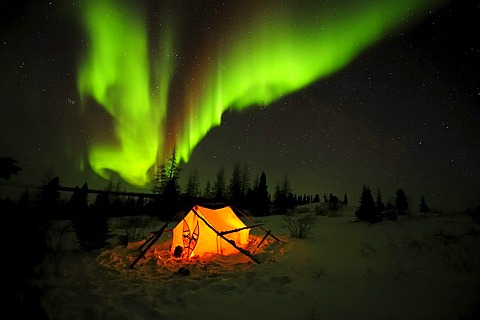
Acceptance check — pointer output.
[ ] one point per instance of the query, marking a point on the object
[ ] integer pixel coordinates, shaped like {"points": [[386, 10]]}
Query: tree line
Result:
{"points": [[375, 210], [166, 197]]}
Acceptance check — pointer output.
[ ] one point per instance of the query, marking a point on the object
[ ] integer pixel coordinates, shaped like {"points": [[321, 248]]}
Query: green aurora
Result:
{"points": [[157, 102]]}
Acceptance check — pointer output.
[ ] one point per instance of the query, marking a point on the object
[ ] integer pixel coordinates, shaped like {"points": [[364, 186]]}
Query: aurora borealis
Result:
{"points": [[254, 58], [327, 92]]}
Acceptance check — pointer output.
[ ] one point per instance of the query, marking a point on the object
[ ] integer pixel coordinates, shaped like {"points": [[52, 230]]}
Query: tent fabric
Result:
{"points": [[222, 219]]}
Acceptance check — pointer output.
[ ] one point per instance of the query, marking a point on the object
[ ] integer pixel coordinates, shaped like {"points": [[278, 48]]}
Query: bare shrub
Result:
{"points": [[134, 227], [54, 237], [320, 211], [302, 210], [319, 272], [454, 253], [391, 244], [332, 213], [313, 311], [414, 244], [300, 226]]}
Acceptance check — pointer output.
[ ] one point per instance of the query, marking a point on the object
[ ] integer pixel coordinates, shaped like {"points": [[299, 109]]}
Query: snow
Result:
{"points": [[419, 267]]}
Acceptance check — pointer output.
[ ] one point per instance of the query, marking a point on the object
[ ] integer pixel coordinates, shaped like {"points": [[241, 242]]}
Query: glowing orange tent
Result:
{"points": [[205, 230]]}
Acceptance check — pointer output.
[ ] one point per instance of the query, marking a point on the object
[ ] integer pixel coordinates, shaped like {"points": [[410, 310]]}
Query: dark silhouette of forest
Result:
{"points": [[89, 209]]}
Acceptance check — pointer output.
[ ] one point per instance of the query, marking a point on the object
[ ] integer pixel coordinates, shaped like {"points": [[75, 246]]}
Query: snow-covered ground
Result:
{"points": [[419, 267]]}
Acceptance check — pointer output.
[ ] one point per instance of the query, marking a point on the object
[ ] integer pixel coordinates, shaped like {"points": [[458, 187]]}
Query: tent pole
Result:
{"points": [[264, 237], [150, 241], [239, 229], [267, 231]]}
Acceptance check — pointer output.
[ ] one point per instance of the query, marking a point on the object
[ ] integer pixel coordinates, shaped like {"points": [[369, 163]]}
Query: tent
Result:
{"points": [[207, 230], [204, 230]]}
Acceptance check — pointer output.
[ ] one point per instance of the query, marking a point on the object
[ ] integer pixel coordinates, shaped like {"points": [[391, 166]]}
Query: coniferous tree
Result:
{"points": [[91, 223], [165, 184], [8, 167], [263, 196], [245, 181], [159, 180], [333, 202], [235, 186], [193, 184], [260, 204], [391, 212], [380, 206], [332, 198], [279, 200], [401, 202], [292, 201], [219, 185], [78, 203], [345, 199], [367, 211], [171, 194], [207, 193], [48, 199], [170, 200], [283, 199], [423, 206]]}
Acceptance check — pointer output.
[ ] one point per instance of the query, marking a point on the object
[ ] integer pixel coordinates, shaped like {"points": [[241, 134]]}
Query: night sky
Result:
{"points": [[331, 95]]}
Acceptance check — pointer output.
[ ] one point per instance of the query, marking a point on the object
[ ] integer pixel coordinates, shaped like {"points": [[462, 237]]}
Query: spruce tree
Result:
{"points": [[423, 206], [401, 202], [193, 184], [91, 223], [333, 202], [391, 212], [207, 192], [8, 167], [283, 199], [367, 211], [260, 205], [235, 186], [380, 206], [219, 185], [165, 185], [345, 199]]}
